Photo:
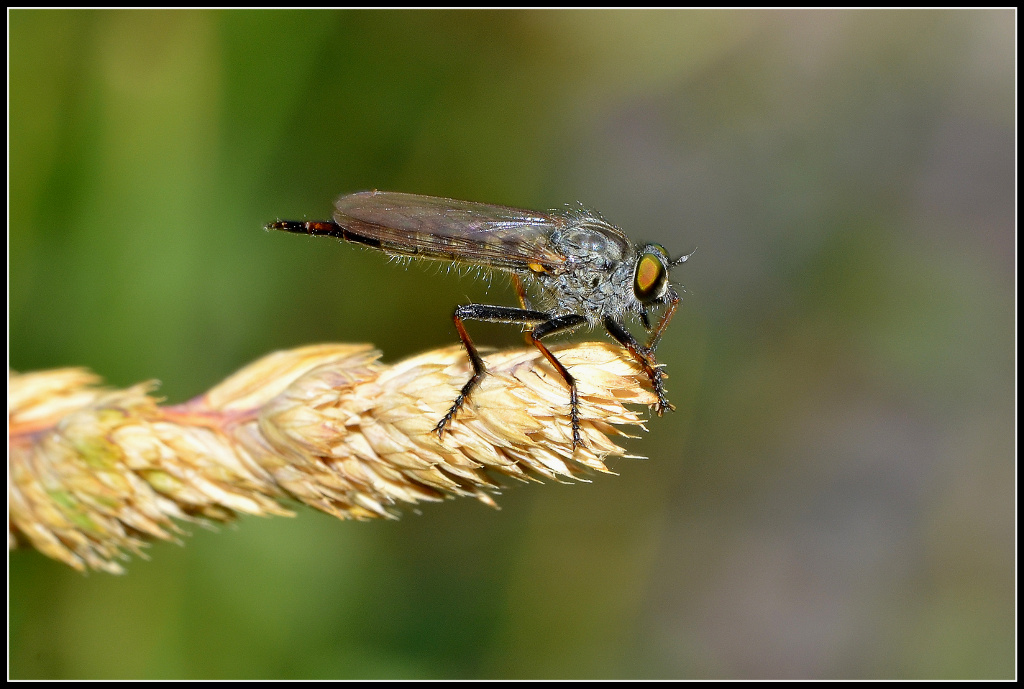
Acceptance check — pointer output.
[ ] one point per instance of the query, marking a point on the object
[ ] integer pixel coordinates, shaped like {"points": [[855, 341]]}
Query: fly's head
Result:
{"points": [[652, 285]]}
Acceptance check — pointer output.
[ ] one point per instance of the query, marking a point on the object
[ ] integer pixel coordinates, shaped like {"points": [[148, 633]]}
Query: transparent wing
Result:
{"points": [[434, 227]]}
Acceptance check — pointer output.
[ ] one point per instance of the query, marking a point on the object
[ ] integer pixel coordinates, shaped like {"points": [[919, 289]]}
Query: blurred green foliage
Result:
{"points": [[834, 496]]}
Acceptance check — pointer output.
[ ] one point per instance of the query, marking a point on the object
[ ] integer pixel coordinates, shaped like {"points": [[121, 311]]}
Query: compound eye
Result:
{"points": [[651, 275]]}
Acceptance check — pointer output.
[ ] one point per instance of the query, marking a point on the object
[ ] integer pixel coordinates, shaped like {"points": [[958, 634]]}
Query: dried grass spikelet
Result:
{"points": [[94, 472]]}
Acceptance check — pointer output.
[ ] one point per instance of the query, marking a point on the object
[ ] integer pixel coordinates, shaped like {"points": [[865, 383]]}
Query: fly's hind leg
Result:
{"points": [[490, 314], [524, 301]]}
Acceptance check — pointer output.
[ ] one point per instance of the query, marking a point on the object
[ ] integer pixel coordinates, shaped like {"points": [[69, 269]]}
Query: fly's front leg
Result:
{"points": [[550, 327], [491, 314], [643, 356], [652, 342], [655, 337]]}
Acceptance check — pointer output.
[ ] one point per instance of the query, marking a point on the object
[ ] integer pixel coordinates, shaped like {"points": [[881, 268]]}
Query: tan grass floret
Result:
{"points": [[93, 473]]}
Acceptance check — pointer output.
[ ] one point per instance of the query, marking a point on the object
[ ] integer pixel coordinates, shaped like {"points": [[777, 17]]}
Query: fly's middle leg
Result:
{"points": [[550, 327]]}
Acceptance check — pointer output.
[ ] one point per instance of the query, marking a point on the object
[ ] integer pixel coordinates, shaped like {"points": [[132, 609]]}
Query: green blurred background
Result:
{"points": [[835, 495]]}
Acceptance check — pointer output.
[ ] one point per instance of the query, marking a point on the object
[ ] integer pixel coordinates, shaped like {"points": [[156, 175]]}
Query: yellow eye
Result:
{"points": [[650, 277]]}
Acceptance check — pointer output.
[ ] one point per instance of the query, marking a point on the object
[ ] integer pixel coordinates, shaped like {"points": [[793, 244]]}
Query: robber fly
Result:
{"points": [[584, 270]]}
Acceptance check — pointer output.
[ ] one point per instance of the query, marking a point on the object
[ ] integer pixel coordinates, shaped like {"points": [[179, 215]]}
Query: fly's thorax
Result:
{"points": [[591, 240], [589, 286], [596, 278]]}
